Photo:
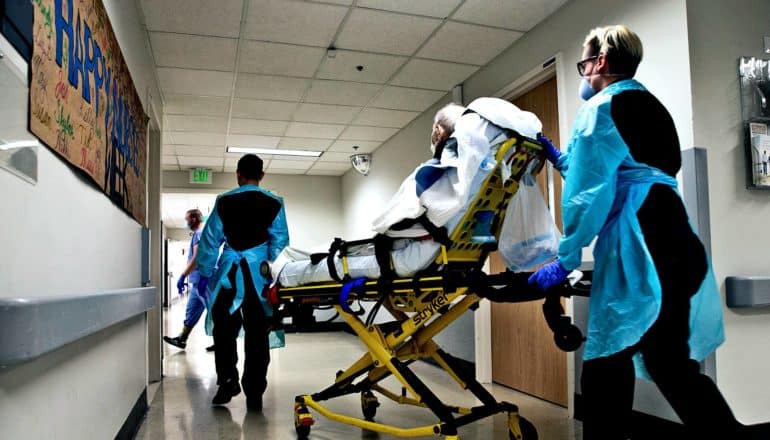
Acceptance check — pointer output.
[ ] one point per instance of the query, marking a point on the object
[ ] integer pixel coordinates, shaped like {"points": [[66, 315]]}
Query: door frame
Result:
{"points": [[552, 66]]}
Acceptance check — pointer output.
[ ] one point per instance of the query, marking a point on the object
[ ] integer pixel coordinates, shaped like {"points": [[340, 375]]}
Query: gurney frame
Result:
{"points": [[423, 306]]}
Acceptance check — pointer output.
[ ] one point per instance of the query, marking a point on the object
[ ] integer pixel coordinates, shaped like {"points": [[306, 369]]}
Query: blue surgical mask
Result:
{"points": [[586, 91]]}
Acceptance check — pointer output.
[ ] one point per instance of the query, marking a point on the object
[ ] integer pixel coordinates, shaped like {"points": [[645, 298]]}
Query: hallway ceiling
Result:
{"points": [[256, 73]]}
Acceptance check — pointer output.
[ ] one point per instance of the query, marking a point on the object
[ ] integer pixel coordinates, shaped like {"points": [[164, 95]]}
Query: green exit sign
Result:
{"points": [[200, 175]]}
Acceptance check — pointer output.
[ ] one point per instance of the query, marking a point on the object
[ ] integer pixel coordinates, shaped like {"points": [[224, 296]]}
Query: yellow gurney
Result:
{"points": [[423, 306]]}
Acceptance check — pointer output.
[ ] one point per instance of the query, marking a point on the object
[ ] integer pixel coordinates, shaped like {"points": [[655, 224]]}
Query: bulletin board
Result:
{"points": [[755, 102]]}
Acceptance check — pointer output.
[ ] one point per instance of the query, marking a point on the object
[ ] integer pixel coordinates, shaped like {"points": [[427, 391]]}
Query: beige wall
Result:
{"points": [[313, 203], [63, 236], [740, 238]]}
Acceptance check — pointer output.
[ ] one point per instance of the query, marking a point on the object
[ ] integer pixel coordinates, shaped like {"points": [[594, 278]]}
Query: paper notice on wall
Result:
{"points": [[757, 128], [760, 146]]}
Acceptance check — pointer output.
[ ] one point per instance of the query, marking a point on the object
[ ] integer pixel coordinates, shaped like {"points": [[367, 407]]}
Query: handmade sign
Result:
{"points": [[83, 103]]}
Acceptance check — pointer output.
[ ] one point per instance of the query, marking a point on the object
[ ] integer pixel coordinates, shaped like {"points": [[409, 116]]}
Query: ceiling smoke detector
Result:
{"points": [[361, 161]]}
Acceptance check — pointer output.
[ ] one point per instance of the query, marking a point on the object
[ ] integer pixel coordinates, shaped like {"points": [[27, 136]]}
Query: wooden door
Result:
{"points": [[524, 356]]}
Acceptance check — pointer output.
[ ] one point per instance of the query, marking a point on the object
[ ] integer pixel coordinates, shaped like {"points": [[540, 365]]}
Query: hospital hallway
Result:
{"points": [[181, 408]]}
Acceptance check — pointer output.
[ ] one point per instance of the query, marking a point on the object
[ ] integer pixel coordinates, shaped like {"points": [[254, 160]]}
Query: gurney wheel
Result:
{"points": [[369, 404], [528, 430], [303, 420]]}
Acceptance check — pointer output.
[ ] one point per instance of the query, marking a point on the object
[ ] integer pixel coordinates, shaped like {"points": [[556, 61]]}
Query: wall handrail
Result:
{"points": [[33, 326]]}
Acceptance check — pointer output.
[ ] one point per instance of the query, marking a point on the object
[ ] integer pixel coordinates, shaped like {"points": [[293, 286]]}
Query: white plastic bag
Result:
{"points": [[529, 236]]}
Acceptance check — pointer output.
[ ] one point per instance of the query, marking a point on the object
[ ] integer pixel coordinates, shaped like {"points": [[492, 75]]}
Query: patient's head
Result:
{"points": [[444, 124]]}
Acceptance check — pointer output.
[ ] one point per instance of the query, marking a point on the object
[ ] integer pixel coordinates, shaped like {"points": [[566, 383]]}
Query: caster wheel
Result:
{"points": [[369, 405], [303, 420], [528, 431]]}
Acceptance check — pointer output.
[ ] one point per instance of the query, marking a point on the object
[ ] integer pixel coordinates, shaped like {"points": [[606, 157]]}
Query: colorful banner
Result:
{"points": [[83, 103]]}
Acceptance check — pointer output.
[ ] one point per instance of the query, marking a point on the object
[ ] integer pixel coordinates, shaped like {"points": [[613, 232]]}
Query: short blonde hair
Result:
{"points": [[448, 116], [619, 44]]}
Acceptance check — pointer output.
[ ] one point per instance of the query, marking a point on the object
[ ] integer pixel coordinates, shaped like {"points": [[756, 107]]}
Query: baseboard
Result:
{"points": [[134, 420], [644, 426]]}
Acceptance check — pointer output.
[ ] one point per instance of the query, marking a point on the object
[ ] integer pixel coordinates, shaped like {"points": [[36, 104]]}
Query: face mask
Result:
{"points": [[586, 91]]}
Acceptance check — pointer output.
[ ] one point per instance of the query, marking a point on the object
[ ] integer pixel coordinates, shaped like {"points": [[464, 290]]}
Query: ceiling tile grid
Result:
{"points": [[261, 73]]}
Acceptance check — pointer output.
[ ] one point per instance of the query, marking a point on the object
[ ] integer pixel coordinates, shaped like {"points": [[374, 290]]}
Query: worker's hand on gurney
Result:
{"points": [[549, 275], [551, 152]]}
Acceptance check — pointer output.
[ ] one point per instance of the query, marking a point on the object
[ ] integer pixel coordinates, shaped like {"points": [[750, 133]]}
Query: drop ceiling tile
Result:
{"points": [[332, 166], [169, 167], [467, 43], [168, 150], [252, 141], [436, 75], [406, 99], [324, 113], [290, 143], [203, 124], [279, 59], [314, 172], [384, 118], [275, 88], [195, 82], [520, 15], [188, 16], [169, 160], [167, 137], [271, 170], [201, 161], [232, 162], [341, 92], [385, 32], [312, 130], [334, 156], [258, 109], [360, 133], [433, 8], [196, 138], [290, 164], [195, 105], [193, 51], [346, 146], [257, 126], [336, 2], [200, 150], [296, 22], [377, 68]]}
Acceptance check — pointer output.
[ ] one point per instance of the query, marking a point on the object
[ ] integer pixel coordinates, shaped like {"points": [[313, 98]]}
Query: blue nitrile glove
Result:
{"points": [[549, 275], [180, 285], [203, 288], [551, 152]]}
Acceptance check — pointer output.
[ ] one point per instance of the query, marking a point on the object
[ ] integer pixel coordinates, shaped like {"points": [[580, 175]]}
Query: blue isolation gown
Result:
{"points": [[208, 253], [604, 188]]}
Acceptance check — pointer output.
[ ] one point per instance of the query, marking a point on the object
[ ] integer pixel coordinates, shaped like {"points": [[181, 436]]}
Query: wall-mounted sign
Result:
{"points": [[200, 175], [83, 103]]}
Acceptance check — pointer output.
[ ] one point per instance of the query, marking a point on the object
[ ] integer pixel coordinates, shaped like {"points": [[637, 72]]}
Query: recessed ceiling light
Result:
{"points": [[273, 151]]}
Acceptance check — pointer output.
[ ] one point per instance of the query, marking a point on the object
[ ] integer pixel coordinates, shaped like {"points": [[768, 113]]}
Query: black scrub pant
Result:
{"points": [[227, 326], [608, 383]]}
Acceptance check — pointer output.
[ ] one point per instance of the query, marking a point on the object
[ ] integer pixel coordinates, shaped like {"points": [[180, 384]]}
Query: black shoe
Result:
{"points": [[226, 392], [176, 342], [254, 404], [210, 348]]}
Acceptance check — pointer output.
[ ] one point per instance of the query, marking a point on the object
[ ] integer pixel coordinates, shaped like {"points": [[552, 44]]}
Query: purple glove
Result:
{"points": [[203, 287], [549, 275], [551, 152], [180, 285]]}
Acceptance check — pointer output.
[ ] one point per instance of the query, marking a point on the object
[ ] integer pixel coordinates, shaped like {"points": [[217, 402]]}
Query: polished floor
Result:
{"points": [[180, 407]]}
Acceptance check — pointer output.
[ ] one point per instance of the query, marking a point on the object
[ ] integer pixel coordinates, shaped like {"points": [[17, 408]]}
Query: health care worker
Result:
{"points": [[654, 301], [251, 222]]}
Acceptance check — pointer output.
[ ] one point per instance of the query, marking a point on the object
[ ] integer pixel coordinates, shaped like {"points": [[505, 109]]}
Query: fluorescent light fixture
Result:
{"points": [[275, 152], [18, 144]]}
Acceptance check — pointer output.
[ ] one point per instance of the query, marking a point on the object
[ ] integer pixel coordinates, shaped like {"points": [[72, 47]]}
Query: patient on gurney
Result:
{"points": [[464, 143]]}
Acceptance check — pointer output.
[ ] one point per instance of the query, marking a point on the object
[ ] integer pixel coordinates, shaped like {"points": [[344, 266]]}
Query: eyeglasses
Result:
{"points": [[581, 65]]}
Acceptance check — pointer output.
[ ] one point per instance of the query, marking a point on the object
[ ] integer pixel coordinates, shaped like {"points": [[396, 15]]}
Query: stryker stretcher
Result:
{"points": [[423, 306]]}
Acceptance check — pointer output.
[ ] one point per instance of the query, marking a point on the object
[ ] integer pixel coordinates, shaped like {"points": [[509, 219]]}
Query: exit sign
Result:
{"points": [[200, 175]]}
